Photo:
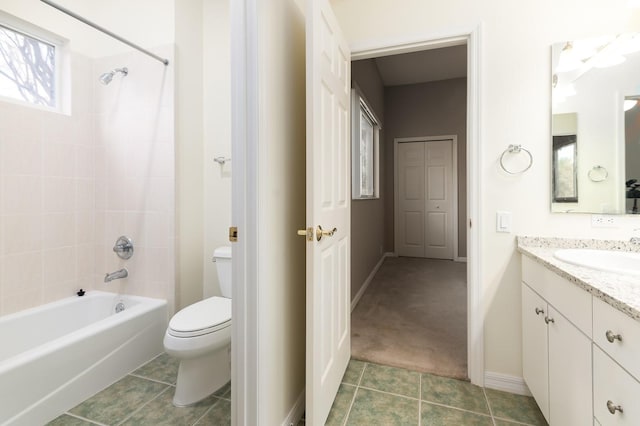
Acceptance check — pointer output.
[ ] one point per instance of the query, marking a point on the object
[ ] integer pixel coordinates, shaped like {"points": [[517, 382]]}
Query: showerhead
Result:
{"points": [[108, 76]]}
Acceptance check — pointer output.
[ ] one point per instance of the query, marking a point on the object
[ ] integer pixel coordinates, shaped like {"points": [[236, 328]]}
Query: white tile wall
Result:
{"points": [[71, 185]]}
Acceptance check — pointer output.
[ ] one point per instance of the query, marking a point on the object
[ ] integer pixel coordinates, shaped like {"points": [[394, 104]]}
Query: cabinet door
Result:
{"points": [[535, 358], [570, 376]]}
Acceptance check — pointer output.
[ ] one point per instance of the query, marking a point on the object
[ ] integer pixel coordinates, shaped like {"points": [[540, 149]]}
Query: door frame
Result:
{"points": [[454, 185], [245, 141], [472, 37]]}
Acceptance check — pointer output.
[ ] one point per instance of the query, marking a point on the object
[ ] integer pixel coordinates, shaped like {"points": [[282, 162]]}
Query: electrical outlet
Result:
{"points": [[604, 221]]}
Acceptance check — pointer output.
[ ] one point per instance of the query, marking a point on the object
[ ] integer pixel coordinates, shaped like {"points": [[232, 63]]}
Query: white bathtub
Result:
{"points": [[55, 356]]}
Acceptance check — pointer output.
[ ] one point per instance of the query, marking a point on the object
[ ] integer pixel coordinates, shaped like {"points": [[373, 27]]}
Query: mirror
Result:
{"points": [[596, 113]]}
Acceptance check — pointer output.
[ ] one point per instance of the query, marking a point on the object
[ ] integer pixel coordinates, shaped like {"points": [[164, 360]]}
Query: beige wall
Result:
{"points": [[367, 216], [515, 107], [427, 109], [281, 208]]}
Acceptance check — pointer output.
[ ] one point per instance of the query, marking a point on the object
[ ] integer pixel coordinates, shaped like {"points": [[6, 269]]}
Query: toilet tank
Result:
{"points": [[222, 257]]}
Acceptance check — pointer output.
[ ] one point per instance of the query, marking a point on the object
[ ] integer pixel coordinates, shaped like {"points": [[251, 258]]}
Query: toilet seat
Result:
{"points": [[201, 318]]}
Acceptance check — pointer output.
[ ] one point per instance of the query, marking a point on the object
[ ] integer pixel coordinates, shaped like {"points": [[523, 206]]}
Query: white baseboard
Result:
{"points": [[294, 416], [506, 383], [366, 283]]}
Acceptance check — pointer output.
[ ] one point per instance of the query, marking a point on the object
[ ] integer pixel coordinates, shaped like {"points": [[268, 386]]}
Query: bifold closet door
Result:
{"points": [[425, 201]]}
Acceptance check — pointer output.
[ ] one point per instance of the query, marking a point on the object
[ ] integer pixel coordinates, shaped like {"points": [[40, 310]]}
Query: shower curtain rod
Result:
{"points": [[104, 30]]}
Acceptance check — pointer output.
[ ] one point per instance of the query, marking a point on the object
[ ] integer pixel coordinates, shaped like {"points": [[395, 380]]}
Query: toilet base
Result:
{"points": [[200, 377]]}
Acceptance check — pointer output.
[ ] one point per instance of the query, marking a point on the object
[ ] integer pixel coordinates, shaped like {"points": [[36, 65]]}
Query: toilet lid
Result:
{"points": [[202, 317]]}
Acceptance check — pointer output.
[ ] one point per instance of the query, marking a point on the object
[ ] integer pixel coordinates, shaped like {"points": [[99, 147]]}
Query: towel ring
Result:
{"points": [[515, 149], [598, 177]]}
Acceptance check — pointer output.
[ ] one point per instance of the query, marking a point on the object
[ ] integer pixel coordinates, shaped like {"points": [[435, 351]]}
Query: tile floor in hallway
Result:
{"points": [[144, 398], [370, 394]]}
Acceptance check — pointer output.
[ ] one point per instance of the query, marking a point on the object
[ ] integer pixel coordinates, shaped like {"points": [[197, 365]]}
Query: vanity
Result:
{"points": [[581, 330]]}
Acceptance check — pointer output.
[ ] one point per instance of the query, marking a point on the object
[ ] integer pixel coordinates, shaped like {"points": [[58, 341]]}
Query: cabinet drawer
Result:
{"points": [[612, 383], [607, 319], [566, 297]]}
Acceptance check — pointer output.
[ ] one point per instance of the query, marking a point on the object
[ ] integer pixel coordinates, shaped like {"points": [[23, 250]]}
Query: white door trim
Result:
{"points": [[454, 184], [472, 37], [244, 200]]}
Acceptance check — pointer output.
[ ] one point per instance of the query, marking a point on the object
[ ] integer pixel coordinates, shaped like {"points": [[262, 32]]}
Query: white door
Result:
{"points": [[425, 190], [328, 206]]}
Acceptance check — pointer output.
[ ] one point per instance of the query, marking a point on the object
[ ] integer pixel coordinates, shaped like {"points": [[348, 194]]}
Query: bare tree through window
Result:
{"points": [[27, 68]]}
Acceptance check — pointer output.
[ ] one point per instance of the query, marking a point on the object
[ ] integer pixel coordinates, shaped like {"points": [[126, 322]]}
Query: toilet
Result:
{"points": [[200, 337]]}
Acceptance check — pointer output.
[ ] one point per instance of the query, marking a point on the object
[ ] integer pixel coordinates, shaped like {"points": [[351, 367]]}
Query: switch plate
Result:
{"points": [[503, 221]]}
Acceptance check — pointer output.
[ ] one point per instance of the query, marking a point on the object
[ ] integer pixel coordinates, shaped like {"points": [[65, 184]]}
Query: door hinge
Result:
{"points": [[233, 234], [469, 223]]}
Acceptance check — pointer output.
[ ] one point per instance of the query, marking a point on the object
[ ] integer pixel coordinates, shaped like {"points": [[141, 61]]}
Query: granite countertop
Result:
{"points": [[620, 291]]}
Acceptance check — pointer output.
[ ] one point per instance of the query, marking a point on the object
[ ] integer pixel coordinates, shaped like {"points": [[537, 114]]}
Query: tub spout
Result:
{"points": [[122, 273]]}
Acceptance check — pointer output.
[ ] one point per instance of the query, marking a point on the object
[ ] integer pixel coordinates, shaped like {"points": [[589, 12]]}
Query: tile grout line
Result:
{"points": [[420, 401], [142, 406], [458, 409], [152, 380], [353, 398], [486, 399], [207, 410], [83, 418]]}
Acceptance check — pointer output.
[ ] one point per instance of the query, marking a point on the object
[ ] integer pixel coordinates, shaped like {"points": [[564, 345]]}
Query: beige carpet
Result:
{"points": [[414, 315]]}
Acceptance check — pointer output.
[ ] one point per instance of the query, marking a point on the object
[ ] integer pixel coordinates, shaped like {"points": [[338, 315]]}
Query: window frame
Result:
{"points": [[359, 105], [61, 63]]}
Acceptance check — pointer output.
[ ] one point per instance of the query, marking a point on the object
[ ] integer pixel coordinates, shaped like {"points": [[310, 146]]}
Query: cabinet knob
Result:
{"points": [[539, 311], [611, 337], [548, 320], [613, 408]]}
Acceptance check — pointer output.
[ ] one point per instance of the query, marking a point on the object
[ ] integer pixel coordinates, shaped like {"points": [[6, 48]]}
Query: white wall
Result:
{"points": [[217, 133], [148, 23], [515, 108]]}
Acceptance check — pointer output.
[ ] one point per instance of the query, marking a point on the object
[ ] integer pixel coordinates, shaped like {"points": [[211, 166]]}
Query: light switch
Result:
{"points": [[503, 221]]}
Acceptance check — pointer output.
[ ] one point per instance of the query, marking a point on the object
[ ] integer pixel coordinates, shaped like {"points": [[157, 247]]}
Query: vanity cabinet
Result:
{"points": [[616, 366], [557, 356]]}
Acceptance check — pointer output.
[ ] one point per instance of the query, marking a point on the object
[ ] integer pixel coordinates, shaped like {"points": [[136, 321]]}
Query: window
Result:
{"points": [[29, 63], [365, 150]]}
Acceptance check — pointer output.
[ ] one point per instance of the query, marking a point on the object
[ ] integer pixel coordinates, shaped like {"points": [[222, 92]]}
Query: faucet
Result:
{"points": [[122, 273]]}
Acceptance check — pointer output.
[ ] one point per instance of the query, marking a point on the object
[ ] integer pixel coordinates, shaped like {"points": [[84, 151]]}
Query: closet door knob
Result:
{"points": [[539, 311], [548, 320]]}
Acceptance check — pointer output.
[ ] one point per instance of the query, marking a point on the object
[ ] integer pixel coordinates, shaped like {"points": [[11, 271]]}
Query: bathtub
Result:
{"points": [[55, 356]]}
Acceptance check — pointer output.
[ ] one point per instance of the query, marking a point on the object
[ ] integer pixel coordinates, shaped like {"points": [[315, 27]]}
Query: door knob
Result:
{"points": [[321, 232], [308, 233]]}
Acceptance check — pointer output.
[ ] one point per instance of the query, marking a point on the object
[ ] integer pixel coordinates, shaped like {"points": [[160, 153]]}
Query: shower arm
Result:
{"points": [[104, 30]]}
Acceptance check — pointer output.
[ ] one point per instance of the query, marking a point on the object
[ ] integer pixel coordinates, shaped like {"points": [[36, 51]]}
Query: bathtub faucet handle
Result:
{"points": [[81, 292], [124, 247]]}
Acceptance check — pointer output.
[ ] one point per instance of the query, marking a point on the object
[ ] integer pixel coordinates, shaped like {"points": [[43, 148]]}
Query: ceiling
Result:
{"points": [[423, 66]]}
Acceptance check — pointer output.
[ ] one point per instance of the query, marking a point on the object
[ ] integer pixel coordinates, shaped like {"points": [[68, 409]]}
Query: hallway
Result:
{"points": [[414, 316]]}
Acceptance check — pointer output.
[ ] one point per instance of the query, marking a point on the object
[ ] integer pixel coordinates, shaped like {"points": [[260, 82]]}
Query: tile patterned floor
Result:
{"points": [[370, 394], [144, 398]]}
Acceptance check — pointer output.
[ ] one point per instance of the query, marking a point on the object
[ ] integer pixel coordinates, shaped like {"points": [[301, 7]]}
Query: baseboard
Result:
{"points": [[506, 383], [294, 416], [459, 259], [366, 283]]}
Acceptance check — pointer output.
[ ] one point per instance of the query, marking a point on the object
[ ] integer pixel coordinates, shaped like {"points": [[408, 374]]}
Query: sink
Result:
{"points": [[620, 262]]}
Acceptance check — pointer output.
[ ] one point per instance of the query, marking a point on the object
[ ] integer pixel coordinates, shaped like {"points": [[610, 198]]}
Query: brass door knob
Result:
{"points": [[320, 232]]}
